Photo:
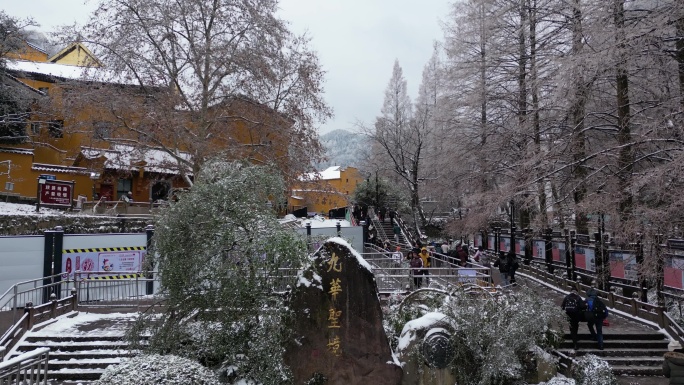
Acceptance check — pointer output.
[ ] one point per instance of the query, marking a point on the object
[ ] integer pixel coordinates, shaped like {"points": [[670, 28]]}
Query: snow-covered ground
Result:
{"points": [[316, 221], [26, 209]]}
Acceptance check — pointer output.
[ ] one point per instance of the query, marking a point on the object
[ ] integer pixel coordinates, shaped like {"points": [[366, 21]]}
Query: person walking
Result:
{"points": [[502, 264], [427, 261], [445, 247], [462, 255], [416, 264], [574, 307], [673, 367], [397, 231], [512, 262], [392, 215], [397, 255], [381, 214], [479, 255], [595, 312]]}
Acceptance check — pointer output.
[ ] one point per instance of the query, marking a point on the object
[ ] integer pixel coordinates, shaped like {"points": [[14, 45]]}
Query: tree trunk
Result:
{"points": [[534, 89], [579, 170], [625, 160]]}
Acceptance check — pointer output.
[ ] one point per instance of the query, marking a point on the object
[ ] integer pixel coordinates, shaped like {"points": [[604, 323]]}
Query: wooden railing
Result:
{"points": [[638, 310]]}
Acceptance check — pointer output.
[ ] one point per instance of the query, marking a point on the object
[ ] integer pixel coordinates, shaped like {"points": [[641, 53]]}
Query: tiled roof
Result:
{"points": [[124, 157], [58, 168], [12, 150]]}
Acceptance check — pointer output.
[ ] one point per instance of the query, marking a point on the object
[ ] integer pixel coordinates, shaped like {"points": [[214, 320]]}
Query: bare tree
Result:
{"points": [[15, 97], [207, 77], [400, 139]]}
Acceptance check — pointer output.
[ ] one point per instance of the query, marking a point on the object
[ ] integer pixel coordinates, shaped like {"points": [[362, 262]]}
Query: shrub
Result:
{"points": [[153, 369], [591, 370]]}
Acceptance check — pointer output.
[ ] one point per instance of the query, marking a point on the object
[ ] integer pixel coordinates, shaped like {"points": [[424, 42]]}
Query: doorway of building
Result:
{"points": [[107, 191], [160, 190]]}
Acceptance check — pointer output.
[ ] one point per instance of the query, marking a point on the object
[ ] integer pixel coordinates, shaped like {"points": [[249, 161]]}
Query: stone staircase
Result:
{"points": [[629, 354], [389, 230], [78, 359], [80, 353]]}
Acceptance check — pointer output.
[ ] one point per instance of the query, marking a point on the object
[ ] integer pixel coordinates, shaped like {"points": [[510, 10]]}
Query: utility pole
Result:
{"points": [[377, 192]]}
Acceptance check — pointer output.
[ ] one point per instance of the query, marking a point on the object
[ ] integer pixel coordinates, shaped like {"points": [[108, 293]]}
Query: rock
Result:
{"points": [[339, 337], [429, 337]]}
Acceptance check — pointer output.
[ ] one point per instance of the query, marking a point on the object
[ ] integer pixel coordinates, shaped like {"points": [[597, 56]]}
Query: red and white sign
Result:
{"points": [[55, 192]]}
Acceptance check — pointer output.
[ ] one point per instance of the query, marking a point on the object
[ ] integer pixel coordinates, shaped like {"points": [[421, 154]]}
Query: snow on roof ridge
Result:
{"points": [[69, 72]]}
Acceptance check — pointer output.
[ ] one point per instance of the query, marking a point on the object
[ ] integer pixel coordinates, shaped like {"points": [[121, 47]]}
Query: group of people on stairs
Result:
{"points": [[591, 310]]}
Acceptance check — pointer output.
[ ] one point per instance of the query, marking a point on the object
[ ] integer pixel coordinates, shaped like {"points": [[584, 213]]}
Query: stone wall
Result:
{"points": [[72, 224]]}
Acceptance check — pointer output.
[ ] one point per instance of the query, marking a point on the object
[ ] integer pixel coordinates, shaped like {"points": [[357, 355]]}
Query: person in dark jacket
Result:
{"points": [[673, 367], [574, 307], [462, 255], [397, 232], [416, 264], [512, 262], [595, 312], [381, 214], [502, 264]]}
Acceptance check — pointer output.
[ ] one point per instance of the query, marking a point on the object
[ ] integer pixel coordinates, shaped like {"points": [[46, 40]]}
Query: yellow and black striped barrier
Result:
{"points": [[103, 249], [120, 276]]}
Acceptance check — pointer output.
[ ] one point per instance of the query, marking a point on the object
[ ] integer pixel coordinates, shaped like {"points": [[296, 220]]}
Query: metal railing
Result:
{"points": [[26, 369], [116, 288], [35, 291]]}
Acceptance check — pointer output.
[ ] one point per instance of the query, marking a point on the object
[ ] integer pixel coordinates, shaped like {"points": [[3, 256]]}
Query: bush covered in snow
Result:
{"points": [[491, 335], [156, 369], [591, 370], [218, 250], [559, 381]]}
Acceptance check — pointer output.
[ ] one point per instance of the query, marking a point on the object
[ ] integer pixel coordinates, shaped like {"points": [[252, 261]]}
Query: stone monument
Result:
{"points": [[339, 338]]}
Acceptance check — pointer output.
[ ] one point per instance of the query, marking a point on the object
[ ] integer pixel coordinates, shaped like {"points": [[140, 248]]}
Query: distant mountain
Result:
{"points": [[343, 148]]}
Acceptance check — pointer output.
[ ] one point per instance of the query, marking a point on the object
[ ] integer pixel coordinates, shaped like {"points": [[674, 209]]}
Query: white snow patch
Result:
{"points": [[70, 325], [362, 262], [408, 333], [316, 280], [27, 209]]}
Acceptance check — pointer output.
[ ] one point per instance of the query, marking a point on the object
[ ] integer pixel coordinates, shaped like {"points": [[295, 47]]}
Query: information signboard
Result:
{"points": [[585, 258], [539, 249], [558, 251], [55, 193], [623, 264], [673, 267]]}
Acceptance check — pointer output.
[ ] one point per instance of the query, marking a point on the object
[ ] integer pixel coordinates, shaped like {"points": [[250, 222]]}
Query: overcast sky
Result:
{"points": [[357, 42]]}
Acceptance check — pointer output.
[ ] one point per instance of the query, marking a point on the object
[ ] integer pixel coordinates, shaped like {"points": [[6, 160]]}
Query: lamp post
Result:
{"points": [[512, 248]]}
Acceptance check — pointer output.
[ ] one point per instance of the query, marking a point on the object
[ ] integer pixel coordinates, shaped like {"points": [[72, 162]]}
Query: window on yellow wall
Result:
{"points": [[35, 128], [123, 186], [56, 128]]}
